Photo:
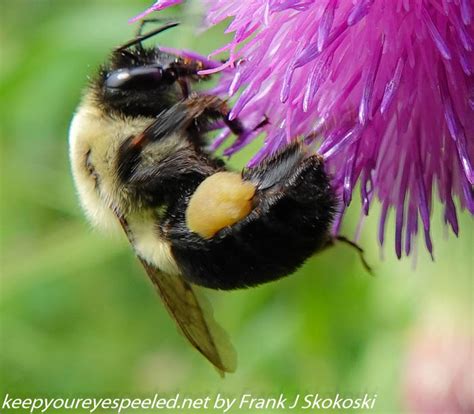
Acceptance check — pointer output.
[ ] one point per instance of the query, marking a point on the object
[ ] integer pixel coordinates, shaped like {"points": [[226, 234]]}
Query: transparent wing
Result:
{"points": [[193, 315]]}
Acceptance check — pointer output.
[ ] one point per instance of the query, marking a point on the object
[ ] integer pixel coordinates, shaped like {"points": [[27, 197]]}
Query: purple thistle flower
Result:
{"points": [[385, 87]]}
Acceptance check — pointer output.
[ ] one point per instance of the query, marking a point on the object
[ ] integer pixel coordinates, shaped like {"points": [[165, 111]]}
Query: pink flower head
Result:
{"points": [[385, 87]]}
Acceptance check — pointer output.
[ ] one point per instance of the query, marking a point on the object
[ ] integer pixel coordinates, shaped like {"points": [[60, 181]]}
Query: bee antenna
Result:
{"points": [[359, 249], [140, 38]]}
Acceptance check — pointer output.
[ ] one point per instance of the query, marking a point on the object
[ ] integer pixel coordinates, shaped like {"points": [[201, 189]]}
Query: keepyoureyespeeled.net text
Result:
{"points": [[217, 403]]}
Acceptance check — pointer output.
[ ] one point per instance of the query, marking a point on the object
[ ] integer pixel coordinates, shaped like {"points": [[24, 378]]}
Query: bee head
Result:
{"points": [[139, 81]]}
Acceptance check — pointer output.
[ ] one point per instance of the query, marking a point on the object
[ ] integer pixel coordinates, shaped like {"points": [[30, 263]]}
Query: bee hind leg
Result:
{"points": [[358, 249], [290, 218]]}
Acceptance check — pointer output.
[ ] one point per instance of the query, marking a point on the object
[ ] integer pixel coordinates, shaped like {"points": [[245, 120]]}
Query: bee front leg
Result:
{"points": [[211, 107]]}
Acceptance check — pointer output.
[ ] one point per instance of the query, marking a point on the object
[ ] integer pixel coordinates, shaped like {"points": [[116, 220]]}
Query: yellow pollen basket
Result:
{"points": [[220, 201]]}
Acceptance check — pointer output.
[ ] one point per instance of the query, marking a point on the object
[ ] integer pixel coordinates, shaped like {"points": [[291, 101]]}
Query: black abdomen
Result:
{"points": [[293, 210]]}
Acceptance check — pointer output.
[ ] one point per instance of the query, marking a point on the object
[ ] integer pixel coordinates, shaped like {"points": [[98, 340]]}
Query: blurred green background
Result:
{"points": [[78, 315]]}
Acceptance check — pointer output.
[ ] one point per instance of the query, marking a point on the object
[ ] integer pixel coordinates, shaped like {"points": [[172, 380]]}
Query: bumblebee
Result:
{"points": [[139, 161]]}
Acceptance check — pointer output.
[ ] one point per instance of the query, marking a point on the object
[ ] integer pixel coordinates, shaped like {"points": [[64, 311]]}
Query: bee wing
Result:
{"points": [[193, 315], [194, 318]]}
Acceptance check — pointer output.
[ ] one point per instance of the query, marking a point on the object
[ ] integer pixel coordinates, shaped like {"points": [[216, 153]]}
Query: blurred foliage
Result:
{"points": [[78, 315]]}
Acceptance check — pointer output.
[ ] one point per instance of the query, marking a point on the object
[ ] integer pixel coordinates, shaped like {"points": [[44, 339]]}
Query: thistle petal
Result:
{"points": [[389, 84]]}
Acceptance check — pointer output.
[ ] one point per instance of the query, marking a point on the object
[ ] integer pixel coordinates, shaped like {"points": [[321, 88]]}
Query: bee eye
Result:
{"points": [[135, 78]]}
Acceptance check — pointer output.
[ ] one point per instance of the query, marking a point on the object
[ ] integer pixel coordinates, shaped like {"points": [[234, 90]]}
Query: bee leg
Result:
{"points": [[221, 200], [184, 86], [290, 218], [276, 173], [174, 126], [355, 246], [214, 107]]}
